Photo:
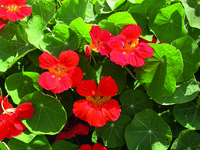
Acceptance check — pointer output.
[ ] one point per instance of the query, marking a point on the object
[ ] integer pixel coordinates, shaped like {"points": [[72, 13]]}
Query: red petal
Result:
{"points": [[6, 104], [47, 81], [2, 24], [63, 84], [69, 58], [76, 77], [47, 61], [144, 50], [98, 146], [3, 129], [64, 135], [12, 17], [26, 110], [134, 60], [81, 129], [3, 12], [4, 2], [25, 11], [95, 33], [87, 88], [81, 108], [105, 36], [131, 32], [85, 147], [118, 57], [20, 2], [107, 87], [111, 110], [117, 42]]}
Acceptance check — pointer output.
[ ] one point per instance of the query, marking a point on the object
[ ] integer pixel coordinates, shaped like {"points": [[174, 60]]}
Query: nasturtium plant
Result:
{"points": [[99, 74]]}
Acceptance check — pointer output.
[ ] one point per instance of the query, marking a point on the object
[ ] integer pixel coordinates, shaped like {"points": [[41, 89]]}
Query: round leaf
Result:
{"points": [[64, 145], [160, 72], [113, 132], [188, 115], [49, 116], [20, 84], [134, 101], [148, 131]]}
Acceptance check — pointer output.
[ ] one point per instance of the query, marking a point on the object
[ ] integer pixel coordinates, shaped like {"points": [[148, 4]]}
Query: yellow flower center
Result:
{"points": [[59, 71], [129, 46], [12, 8], [97, 100]]}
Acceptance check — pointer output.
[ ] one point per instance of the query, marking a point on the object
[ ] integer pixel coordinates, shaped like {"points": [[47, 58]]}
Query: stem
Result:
{"points": [[130, 73], [93, 58]]}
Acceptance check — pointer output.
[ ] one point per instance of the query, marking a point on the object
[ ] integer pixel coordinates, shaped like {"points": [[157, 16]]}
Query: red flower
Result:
{"points": [[14, 10], [98, 108], [126, 48], [10, 123], [99, 41], [2, 24], [70, 130], [62, 74], [96, 146]]}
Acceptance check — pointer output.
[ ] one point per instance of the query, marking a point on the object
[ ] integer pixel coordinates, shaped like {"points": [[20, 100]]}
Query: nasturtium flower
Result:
{"points": [[98, 107], [10, 123], [96, 146], [2, 24], [71, 129], [62, 73], [14, 10], [99, 41], [126, 48]]}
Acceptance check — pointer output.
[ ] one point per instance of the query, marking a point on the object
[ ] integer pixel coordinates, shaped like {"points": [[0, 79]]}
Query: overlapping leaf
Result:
{"points": [[64, 145]]}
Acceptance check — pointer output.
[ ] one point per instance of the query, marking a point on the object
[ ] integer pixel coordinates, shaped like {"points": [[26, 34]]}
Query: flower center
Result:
{"points": [[12, 8], [59, 71], [9, 111], [129, 46], [98, 101], [94, 46]]}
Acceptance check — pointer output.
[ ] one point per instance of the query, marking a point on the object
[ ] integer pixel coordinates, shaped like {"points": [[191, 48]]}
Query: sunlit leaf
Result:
{"points": [[113, 132], [26, 136], [49, 116], [148, 131], [160, 72], [3, 146], [20, 84]]}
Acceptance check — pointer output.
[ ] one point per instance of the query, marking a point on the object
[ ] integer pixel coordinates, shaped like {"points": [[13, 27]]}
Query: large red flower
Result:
{"points": [[14, 10], [126, 48], [10, 123], [96, 146], [70, 130], [98, 108], [62, 73], [99, 41]]}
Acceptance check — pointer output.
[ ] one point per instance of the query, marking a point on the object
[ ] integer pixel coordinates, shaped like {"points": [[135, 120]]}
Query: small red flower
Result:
{"points": [[10, 123], [126, 48], [2, 24], [99, 41], [96, 146], [98, 108], [62, 74], [70, 130], [14, 10]]}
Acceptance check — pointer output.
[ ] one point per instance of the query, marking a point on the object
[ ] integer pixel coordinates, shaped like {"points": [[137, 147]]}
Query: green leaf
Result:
{"points": [[44, 9], [26, 136], [184, 92], [35, 30], [82, 30], [113, 132], [20, 84], [64, 145], [88, 72], [115, 3], [62, 38], [192, 12], [116, 22], [142, 12], [102, 7], [148, 131], [188, 140], [191, 56], [38, 143], [3, 146], [90, 14], [49, 116], [6, 54], [168, 23], [160, 72], [134, 101], [108, 68], [188, 115], [70, 10]]}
